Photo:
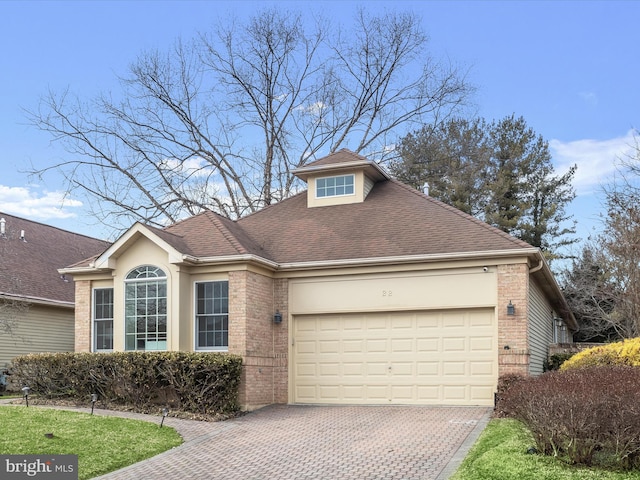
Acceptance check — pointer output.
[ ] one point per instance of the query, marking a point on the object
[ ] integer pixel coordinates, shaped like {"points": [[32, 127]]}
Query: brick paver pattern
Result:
{"points": [[295, 442]]}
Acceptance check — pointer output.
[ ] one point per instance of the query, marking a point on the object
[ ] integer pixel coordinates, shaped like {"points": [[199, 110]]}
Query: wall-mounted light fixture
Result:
{"points": [[511, 309], [277, 317]]}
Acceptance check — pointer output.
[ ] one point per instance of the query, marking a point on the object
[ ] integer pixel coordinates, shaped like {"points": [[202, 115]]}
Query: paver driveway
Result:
{"points": [[283, 442]]}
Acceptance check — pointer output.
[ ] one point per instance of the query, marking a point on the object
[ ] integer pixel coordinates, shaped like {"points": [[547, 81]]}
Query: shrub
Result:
{"points": [[205, 383], [626, 352], [555, 361], [505, 384], [588, 416]]}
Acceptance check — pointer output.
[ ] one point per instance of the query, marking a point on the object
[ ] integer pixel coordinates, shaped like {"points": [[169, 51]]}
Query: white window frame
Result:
{"points": [[158, 275], [197, 316], [324, 188], [95, 320]]}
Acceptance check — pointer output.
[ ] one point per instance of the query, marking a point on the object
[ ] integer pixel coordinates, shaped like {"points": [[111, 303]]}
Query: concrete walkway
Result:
{"points": [[295, 442]]}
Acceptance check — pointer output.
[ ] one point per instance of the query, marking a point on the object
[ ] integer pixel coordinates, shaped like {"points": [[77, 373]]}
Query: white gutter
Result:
{"points": [[407, 259], [230, 259], [38, 300]]}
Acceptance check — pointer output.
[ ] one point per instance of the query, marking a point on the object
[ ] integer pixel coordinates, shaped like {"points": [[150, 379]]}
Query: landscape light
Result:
{"points": [[25, 393]]}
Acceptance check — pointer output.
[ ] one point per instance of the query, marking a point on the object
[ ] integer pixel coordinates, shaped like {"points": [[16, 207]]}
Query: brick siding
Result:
{"points": [[254, 336], [513, 348], [83, 316]]}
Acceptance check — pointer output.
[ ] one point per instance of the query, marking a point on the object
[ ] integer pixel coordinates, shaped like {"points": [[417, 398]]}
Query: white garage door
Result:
{"points": [[432, 357]]}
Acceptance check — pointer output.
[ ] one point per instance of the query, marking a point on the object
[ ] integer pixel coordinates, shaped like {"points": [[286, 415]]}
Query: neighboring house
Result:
{"points": [[37, 302], [360, 290]]}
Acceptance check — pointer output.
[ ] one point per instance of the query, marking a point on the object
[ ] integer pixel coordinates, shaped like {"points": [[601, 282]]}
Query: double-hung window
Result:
{"points": [[335, 186], [145, 300], [212, 315], [102, 319]]}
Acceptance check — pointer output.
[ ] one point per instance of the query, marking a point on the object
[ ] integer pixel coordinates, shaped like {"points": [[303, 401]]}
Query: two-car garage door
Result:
{"points": [[425, 357]]}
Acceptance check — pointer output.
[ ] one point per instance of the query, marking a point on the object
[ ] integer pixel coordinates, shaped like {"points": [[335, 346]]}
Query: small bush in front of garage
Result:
{"points": [[587, 416], [200, 383]]}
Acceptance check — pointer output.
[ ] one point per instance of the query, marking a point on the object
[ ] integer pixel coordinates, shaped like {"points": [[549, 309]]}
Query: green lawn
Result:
{"points": [[103, 444], [501, 454]]}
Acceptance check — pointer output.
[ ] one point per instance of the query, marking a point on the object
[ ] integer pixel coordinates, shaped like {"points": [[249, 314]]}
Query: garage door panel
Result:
{"points": [[402, 345], [429, 357], [454, 393], [377, 369], [329, 346], [306, 370], [482, 368], [454, 368], [306, 347], [428, 345], [478, 344], [453, 344], [428, 369], [399, 369], [376, 346]]}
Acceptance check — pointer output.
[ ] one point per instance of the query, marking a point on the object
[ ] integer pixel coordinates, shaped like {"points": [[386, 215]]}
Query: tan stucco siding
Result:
{"points": [[41, 329], [357, 197], [540, 328], [144, 252], [457, 288]]}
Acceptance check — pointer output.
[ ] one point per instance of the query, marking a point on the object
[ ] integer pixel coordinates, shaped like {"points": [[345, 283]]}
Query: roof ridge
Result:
{"points": [[41, 224], [217, 221], [460, 213], [343, 151]]}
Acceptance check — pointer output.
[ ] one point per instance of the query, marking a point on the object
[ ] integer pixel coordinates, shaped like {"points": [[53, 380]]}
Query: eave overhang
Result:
{"points": [[371, 170]]}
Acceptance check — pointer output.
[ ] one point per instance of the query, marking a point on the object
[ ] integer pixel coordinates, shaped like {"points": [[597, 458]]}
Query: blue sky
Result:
{"points": [[570, 69]]}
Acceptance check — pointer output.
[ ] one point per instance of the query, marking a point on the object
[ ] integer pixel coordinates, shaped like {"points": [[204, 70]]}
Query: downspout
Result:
{"points": [[537, 268]]}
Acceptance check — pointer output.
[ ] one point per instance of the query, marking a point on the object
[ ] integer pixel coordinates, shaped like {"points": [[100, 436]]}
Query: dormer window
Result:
{"points": [[335, 186]]}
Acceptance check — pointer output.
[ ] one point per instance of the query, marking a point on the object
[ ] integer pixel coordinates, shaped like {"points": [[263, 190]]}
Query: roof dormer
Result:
{"points": [[340, 178]]}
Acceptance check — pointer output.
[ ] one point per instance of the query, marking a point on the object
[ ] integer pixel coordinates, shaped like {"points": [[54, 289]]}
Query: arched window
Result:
{"points": [[145, 297]]}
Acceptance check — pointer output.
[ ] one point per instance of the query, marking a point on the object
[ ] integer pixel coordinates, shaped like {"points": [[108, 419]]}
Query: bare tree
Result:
{"points": [[603, 287], [219, 122]]}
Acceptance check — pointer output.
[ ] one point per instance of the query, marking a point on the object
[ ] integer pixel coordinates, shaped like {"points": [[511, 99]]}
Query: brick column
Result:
{"points": [[513, 345], [83, 316], [253, 335]]}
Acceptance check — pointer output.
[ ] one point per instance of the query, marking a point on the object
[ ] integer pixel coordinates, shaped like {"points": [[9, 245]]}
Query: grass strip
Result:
{"points": [[103, 444]]}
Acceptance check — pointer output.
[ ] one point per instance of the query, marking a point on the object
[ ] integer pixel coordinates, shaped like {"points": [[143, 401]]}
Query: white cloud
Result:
{"points": [[31, 204], [596, 159], [314, 109], [589, 97]]}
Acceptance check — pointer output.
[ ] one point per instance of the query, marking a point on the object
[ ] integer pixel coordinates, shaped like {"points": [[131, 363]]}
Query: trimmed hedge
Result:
{"points": [[626, 352], [203, 383], [588, 416]]}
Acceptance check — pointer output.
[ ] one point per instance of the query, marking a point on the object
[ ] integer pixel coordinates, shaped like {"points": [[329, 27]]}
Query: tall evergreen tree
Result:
{"points": [[501, 172]]}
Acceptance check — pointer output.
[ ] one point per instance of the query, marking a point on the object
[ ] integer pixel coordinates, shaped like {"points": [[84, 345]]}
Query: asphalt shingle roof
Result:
{"points": [[29, 267], [394, 220]]}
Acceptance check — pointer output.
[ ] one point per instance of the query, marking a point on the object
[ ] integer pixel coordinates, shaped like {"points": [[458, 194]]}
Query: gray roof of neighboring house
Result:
{"points": [[29, 266]]}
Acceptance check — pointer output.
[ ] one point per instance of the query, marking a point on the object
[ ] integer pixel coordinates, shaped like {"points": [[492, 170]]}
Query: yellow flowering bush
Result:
{"points": [[626, 352]]}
